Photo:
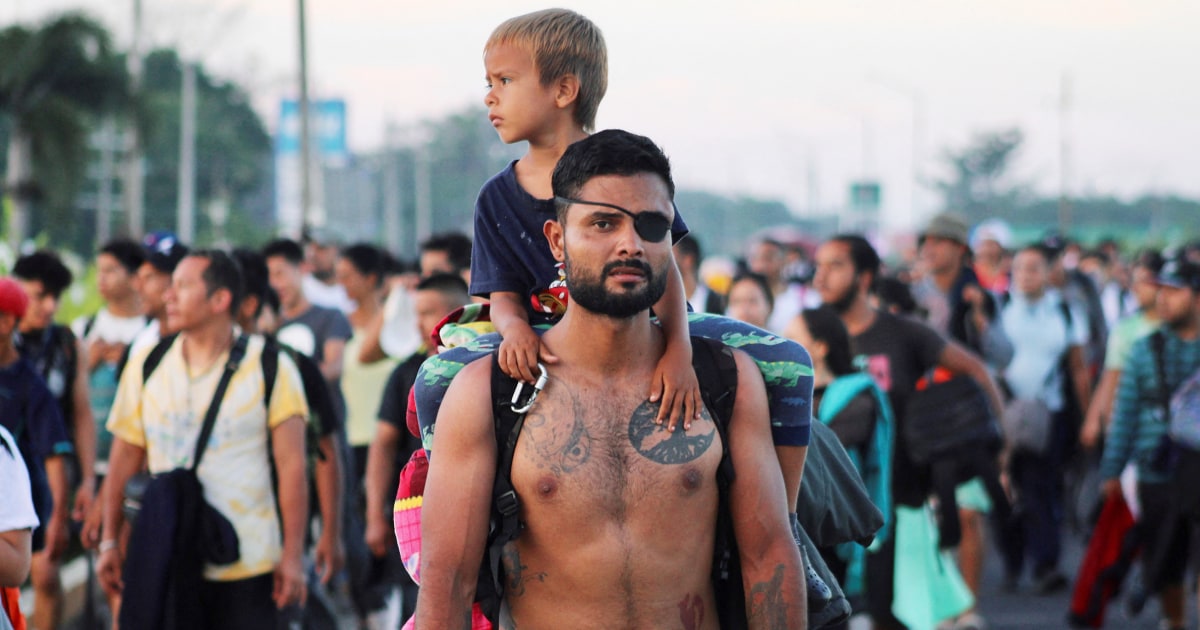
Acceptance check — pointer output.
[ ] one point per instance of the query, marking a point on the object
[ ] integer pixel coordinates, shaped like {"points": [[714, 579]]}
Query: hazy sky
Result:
{"points": [[789, 99]]}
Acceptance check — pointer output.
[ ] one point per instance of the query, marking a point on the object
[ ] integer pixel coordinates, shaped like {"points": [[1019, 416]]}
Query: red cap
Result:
{"points": [[12, 298]]}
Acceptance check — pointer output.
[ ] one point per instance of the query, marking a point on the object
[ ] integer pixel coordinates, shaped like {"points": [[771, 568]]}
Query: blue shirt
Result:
{"points": [[29, 412], [510, 252]]}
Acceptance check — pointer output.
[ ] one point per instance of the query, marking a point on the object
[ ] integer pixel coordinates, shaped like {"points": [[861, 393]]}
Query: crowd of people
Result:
{"points": [[273, 396]]}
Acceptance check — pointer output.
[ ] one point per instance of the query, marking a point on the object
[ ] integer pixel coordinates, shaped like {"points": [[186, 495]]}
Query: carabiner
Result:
{"points": [[515, 403]]}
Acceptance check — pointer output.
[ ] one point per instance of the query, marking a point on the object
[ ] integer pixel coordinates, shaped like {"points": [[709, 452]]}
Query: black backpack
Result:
{"points": [[716, 371]]}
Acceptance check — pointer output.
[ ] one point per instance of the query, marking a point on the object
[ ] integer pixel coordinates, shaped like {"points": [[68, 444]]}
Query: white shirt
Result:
{"points": [[329, 296], [15, 495], [1040, 338], [108, 327]]}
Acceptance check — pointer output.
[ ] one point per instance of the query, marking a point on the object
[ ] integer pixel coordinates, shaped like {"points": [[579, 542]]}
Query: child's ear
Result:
{"points": [[554, 235], [566, 90]]}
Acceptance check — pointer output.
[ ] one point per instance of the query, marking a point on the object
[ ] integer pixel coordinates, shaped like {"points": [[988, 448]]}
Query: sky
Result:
{"points": [[783, 99]]}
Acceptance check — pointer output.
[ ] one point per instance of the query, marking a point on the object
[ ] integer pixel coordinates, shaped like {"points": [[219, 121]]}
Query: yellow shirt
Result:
{"points": [[165, 416], [362, 387]]}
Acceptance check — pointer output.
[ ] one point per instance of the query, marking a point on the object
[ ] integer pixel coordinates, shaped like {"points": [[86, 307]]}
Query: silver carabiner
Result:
{"points": [[515, 403]]}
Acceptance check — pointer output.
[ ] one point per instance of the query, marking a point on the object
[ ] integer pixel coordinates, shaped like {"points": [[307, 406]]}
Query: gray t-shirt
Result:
{"points": [[309, 331]]}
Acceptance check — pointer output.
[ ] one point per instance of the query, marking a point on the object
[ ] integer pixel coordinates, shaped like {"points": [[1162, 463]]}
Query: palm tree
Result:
{"points": [[52, 79]]}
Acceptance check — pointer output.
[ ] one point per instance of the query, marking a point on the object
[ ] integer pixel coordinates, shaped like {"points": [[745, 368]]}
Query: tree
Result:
{"points": [[233, 148], [52, 81], [976, 186]]}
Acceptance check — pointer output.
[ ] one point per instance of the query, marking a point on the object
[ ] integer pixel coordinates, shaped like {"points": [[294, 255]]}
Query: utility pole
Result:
{"points": [[1064, 155], [186, 199], [132, 186], [306, 205]]}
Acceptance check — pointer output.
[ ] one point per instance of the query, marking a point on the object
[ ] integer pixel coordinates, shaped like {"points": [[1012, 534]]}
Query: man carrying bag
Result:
{"points": [[227, 540]]}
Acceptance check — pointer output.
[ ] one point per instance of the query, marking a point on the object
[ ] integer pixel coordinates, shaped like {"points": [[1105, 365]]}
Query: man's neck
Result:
{"points": [[124, 306], [944, 279], [601, 343], [203, 344], [8, 354], [297, 309], [1188, 330], [1034, 297], [859, 317]]}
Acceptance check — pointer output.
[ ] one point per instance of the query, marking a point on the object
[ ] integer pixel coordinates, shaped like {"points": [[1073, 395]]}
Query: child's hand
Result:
{"points": [[519, 354], [675, 383]]}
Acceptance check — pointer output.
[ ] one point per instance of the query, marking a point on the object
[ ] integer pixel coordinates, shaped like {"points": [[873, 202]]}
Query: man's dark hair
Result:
{"points": [[1047, 252], [689, 246], [609, 152], [456, 245], [1150, 259], [254, 275], [824, 324], [46, 267], [130, 254], [367, 259], [448, 284], [223, 272], [758, 279], [862, 254], [287, 248]]}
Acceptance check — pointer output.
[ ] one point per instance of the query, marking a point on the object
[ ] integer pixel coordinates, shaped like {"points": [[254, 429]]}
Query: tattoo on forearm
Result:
{"points": [[668, 447], [691, 612], [767, 608], [515, 575]]}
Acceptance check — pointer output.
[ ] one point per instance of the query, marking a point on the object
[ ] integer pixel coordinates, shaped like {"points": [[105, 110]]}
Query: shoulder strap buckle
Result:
{"points": [[507, 503], [515, 403]]}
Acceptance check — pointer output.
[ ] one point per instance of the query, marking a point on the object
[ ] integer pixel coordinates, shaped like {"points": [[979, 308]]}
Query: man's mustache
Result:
{"points": [[640, 265]]}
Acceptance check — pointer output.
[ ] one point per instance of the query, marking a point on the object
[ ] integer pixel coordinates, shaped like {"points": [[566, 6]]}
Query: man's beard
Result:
{"points": [[589, 291], [843, 302]]}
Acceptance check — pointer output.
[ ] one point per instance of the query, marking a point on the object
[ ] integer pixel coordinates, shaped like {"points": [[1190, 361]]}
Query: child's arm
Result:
{"points": [[521, 347], [674, 378]]}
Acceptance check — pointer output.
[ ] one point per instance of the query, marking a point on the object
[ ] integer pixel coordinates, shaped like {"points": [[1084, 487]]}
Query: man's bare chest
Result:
{"points": [[602, 450]]}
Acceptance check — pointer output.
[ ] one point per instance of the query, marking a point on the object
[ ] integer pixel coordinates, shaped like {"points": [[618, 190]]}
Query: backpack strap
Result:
{"points": [[156, 355], [717, 374], [270, 368], [506, 505], [236, 353], [1158, 347]]}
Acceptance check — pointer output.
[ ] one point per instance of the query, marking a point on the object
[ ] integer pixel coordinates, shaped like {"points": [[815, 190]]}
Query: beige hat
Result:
{"points": [[947, 225]]}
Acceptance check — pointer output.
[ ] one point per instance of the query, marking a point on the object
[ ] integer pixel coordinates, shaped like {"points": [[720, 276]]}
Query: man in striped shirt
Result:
{"points": [[1139, 424]]}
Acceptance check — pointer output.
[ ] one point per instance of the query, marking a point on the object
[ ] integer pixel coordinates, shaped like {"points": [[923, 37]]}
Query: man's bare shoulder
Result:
{"points": [[468, 400]]}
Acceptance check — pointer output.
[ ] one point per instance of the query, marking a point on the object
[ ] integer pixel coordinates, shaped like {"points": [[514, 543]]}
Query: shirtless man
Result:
{"points": [[617, 534]]}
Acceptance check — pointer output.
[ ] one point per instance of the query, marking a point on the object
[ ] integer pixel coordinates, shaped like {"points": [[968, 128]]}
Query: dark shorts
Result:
{"points": [[1171, 539], [239, 604]]}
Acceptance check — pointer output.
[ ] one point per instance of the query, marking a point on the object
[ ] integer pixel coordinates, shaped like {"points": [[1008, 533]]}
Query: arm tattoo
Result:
{"points": [[514, 572], [668, 447], [691, 612], [765, 604]]}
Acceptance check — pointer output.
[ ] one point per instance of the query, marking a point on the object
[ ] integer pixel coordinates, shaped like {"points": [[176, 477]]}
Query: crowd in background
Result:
{"points": [[1052, 322]]}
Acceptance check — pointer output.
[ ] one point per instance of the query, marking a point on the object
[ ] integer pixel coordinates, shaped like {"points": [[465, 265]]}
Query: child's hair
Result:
{"points": [[562, 42]]}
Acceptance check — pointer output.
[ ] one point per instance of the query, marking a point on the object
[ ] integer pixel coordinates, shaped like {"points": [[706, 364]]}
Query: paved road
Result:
{"points": [[1025, 611]]}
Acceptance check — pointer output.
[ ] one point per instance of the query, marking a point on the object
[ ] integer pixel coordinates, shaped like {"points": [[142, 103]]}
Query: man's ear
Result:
{"points": [[566, 90], [554, 235], [220, 302]]}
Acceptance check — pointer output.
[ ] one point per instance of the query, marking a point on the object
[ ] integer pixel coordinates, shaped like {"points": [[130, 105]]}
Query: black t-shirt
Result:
{"points": [[53, 354], [897, 352], [393, 409]]}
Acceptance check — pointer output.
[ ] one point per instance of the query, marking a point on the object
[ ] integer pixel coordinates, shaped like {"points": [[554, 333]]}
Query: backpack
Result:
{"points": [[716, 372], [1181, 407]]}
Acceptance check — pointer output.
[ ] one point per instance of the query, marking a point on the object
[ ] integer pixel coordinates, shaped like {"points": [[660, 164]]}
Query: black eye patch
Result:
{"points": [[650, 225]]}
